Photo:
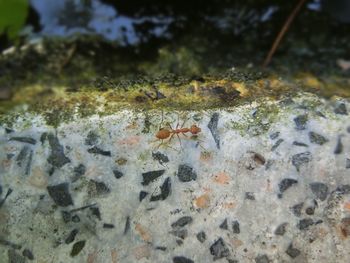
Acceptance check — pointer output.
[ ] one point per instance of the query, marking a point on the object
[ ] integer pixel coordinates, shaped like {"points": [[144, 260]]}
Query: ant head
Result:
{"points": [[195, 129]]}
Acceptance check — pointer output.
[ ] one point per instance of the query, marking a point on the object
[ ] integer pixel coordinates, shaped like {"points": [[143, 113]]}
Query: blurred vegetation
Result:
{"points": [[13, 14]]}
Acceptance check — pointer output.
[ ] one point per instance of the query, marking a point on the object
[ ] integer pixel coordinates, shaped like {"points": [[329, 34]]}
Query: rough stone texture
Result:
{"points": [[122, 197]]}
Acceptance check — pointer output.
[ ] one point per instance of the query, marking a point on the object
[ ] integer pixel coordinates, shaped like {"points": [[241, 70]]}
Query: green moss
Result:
{"points": [[257, 121]]}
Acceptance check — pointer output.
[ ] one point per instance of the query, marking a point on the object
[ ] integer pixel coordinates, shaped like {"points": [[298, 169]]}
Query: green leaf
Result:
{"points": [[13, 14]]}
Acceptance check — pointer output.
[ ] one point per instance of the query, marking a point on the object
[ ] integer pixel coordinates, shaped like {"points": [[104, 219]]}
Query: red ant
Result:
{"points": [[166, 133]]}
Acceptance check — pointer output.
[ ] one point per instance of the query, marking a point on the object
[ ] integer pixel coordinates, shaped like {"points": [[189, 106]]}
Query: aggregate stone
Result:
{"points": [[219, 249], [317, 138], [117, 174], [262, 259], [24, 139], [286, 184], [213, 127], [77, 248], [340, 108], [14, 257], [281, 229], [339, 147], [320, 190], [28, 254], [186, 173], [292, 251], [201, 236], [165, 191], [185, 220], [181, 259], [305, 223], [301, 159], [60, 194], [57, 157], [300, 121], [98, 150], [151, 176]]}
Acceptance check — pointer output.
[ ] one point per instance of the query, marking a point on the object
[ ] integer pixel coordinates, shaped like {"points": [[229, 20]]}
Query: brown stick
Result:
{"points": [[282, 32]]}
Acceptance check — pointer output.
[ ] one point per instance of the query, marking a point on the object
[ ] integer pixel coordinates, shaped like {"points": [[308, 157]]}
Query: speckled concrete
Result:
{"points": [[254, 185]]}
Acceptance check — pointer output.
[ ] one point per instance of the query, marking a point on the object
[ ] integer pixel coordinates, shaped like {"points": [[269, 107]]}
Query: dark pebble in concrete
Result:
{"points": [[9, 191], [165, 190], [286, 184], [8, 130], [186, 173], [96, 212], [219, 249], [347, 163], [70, 238], [97, 150], [300, 122], [96, 188], [278, 142], [66, 216], [78, 171], [179, 242], [151, 176], [142, 195], [201, 236], [320, 190], [91, 139], [60, 194], [181, 233], [117, 174], [339, 147], [9, 244], [185, 220], [23, 155], [340, 108], [77, 248], [213, 127], [224, 225], [262, 259], [305, 223], [161, 248], [24, 139], [181, 259], [300, 159], [258, 158], [300, 144], [348, 129], [57, 158], [127, 225], [343, 189], [292, 251], [281, 229], [249, 196], [75, 219], [274, 135], [296, 209], [160, 157], [0, 190], [310, 210], [108, 226], [43, 137], [235, 227], [14, 257], [317, 138], [28, 254]]}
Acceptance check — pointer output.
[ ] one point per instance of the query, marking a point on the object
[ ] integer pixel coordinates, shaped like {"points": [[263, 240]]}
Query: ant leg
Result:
{"points": [[171, 136], [179, 140]]}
